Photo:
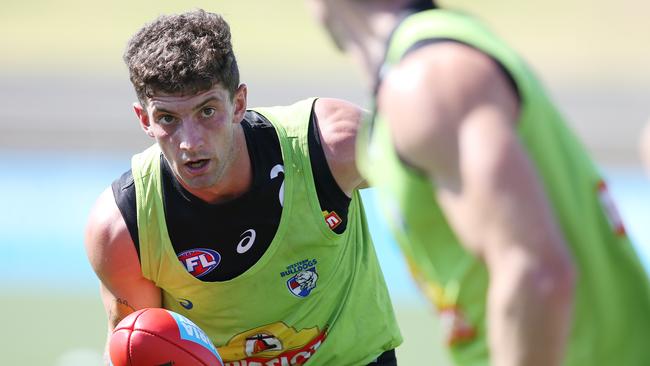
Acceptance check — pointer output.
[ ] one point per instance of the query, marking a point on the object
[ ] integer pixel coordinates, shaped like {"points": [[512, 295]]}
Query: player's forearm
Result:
{"points": [[529, 311], [107, 356]]}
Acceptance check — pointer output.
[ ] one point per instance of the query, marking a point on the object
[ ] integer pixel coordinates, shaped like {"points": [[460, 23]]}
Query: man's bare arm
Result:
{"points": [[113, 257], [453, 115]]}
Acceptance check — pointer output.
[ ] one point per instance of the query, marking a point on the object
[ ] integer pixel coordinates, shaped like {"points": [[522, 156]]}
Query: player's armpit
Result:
{"points": [[338, 123], [364, 184]]}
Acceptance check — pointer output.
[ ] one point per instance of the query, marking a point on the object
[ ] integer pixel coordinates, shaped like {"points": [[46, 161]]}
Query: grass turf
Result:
{"points": [[51, 329]]}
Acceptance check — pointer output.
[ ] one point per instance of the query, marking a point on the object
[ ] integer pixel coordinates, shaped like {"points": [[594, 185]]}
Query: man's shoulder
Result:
{"points": [[110, 249], [256, 120], [106, 226], [449, 56], [288, 116], [124, 182], [337, 108], [445, 72], [296, 104]]}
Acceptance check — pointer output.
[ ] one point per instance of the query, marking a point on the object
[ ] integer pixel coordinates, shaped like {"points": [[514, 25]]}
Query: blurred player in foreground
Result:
{"points": [[249, 223], [506, 223], [645, 147]]}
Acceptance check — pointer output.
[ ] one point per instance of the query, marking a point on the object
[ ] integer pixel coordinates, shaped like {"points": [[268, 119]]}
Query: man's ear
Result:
{"points": [[240, 103], [144, 118]]}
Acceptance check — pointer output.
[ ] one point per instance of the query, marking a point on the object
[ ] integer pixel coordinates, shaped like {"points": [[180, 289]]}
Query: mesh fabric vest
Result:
{"points": [[315, 295]]}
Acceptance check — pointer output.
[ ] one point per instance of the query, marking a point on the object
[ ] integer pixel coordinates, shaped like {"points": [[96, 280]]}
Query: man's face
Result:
{"points": [[195, 132]]}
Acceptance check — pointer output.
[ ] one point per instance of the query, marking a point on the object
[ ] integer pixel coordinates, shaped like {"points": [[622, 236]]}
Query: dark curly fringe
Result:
{"points": [[182, 54]]}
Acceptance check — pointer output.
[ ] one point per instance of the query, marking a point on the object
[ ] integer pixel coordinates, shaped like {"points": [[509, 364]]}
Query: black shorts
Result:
{"points": [[385, 359]]}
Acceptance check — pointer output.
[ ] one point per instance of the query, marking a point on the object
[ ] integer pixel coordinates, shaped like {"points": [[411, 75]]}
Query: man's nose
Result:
{"points": [[192, 136]]}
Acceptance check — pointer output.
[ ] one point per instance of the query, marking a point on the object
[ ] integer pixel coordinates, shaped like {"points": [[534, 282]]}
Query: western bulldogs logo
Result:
{"points": [[262, 343], [200, 262], [301, 284]]}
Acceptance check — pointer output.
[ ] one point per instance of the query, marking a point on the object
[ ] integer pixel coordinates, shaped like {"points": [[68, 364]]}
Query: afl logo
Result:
{"points": [[200, 262], [302, 283]]}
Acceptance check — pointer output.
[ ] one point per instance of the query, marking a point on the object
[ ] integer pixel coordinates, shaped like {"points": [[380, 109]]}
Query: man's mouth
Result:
{"points": [[195, 165]]}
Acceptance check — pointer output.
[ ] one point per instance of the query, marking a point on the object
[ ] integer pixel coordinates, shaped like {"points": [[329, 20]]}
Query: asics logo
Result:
{"points": [[187, 304], [247, 241]]}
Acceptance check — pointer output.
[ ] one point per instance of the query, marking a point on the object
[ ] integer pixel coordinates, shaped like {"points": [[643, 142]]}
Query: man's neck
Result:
{"points": [[371, 40]]}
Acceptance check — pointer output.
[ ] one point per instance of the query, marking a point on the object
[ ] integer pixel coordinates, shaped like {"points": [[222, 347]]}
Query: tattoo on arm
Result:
{"points": [[119, 310], [123, 302]]}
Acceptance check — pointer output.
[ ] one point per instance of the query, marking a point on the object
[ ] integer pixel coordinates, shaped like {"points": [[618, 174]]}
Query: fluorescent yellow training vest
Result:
{"points": [[315, 295]]}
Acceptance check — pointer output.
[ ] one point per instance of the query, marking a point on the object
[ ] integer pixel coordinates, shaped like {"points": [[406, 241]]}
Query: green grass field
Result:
{"points": [[41, 329], [53, 329]]}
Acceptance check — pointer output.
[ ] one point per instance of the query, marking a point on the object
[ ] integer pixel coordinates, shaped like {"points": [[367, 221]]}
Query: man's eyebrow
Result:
{"points": [[206, 101], [162, 110], [195, 108]]}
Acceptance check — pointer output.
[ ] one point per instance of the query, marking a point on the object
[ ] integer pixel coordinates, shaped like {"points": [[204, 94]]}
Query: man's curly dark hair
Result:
{"points": [[182, 54]]}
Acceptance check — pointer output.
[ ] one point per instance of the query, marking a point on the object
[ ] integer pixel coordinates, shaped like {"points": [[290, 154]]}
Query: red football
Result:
{"points": [[156, 336]]}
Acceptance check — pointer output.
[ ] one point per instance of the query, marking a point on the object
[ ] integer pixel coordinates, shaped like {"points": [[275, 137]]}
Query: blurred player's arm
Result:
{"points": [[453, 116], [338, 123], [113, 257]]}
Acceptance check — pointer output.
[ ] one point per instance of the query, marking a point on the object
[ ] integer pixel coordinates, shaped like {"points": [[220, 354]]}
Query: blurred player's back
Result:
{"points": [[503, 218], [610, 275]]}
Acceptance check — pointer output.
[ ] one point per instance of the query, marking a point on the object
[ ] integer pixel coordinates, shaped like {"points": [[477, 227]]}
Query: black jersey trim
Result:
{"points": [[387, 358], [322, 173], [330, 196], [124, 194]]}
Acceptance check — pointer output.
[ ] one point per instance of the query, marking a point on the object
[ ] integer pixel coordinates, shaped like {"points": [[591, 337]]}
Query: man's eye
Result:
{"points": [[207, 112], [166, 119]]}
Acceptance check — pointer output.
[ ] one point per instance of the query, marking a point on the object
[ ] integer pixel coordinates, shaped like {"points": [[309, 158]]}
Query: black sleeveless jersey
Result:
{"points": [[217, 242]]}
